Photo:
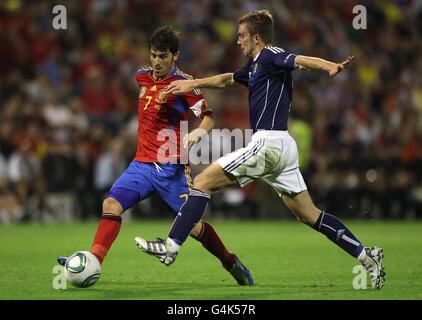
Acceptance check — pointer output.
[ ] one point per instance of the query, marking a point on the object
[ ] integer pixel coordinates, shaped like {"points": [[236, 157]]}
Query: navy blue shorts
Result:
{"points": [[141, 179]]}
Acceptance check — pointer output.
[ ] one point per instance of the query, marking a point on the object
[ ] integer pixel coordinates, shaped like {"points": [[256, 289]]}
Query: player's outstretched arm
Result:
{"points": [[313, 63], [220, 81]]}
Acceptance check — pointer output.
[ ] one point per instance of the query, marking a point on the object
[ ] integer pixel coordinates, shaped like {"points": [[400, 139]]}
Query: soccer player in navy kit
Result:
{"points": [[272, 154], [155, 169]]}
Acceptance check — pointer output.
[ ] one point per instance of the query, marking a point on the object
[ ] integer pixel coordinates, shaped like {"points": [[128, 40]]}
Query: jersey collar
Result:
{"points": [[257, 56], [171, 74]]}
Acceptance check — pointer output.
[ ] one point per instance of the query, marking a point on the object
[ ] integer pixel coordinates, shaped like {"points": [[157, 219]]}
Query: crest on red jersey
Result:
{"points": [[161, 97], [142, 91]]}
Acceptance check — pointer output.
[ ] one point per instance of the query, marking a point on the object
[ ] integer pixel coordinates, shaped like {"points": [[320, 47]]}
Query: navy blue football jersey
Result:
{"points": [[269, 80]]}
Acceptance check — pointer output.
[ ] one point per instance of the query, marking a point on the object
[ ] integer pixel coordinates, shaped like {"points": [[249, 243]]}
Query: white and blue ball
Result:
{"points": [[82, 269]]}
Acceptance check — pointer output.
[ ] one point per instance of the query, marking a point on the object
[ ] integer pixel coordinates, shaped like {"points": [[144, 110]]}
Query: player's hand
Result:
{"points": [[339, 67], [180, 86], [193, 138]]}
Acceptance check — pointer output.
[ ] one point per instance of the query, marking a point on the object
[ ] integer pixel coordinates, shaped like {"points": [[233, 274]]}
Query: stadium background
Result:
{"points": [[68, 103]]}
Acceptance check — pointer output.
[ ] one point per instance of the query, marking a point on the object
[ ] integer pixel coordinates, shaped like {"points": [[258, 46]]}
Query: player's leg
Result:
{"points": [[117, 201], [303, 208], [203, 231], [211, 179], [291, 187], [173, 183], [192, 210], [130, 188], [208, 237], [188, 221], [237, 168], [289, 184]]}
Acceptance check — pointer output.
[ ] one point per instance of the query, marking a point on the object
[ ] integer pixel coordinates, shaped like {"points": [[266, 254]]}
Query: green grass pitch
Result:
{"points": [[288, 261]]}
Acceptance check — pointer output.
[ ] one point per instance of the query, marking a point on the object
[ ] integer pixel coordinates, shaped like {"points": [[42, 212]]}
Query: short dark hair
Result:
{"points": [[164, 38], [259, 22]]}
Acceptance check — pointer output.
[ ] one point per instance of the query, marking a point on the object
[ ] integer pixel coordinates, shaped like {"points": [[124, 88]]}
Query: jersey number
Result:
{"points": [[149, 98]]}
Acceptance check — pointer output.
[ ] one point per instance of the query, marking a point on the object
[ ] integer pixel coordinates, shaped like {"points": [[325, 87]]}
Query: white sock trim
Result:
{"points": [[362, 256], [171, 245]]}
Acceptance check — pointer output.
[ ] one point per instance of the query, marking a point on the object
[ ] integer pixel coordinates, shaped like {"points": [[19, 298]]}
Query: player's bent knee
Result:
{"points": [[111, 205], [308, 217], [211, 180]]}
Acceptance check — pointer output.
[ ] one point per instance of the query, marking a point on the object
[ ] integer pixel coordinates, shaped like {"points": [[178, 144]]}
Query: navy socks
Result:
{"points": [[194, 208], [337, 232], [188, 216]]}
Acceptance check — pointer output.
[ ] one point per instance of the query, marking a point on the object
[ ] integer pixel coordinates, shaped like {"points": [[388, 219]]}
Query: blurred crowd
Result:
{"points": [[68, 102]]}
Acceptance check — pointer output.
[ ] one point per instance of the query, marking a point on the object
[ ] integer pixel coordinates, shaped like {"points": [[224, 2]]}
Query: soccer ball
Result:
{"points": [[82, 269]]}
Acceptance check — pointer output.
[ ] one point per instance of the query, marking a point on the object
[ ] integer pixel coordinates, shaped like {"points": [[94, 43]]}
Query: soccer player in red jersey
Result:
{"points": [[157, 166]]}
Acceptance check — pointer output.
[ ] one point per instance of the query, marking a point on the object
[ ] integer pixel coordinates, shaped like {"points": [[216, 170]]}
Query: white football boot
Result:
{"points": [[371, 259], [160, 248]]}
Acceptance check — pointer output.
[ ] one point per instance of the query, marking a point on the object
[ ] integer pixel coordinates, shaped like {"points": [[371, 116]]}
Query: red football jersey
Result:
{"points": [[160, 116]]}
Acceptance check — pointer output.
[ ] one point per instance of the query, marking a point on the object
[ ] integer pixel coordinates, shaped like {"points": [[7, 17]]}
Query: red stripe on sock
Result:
{"points": [[107, 231]]}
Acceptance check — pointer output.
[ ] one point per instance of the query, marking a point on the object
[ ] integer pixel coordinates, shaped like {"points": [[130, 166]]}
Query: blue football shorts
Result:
{"points": [[141, 179]]}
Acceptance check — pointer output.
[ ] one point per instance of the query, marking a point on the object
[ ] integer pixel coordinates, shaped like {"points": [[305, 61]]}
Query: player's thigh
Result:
{"points": [[118, 200], [214, 178], [259, 159], [288, 181], [302, 206], [173, 184], [130, 188], [290, 185], [292, 189]]}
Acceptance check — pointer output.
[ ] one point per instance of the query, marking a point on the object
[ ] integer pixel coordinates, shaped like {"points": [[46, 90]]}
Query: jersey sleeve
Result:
{"points": [[141, 75], [138, 78], [242, 75], [283, 61], [195, 101]]}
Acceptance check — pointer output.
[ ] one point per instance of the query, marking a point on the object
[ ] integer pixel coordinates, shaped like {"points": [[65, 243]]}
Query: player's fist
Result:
{"points": [[180, 86]]}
